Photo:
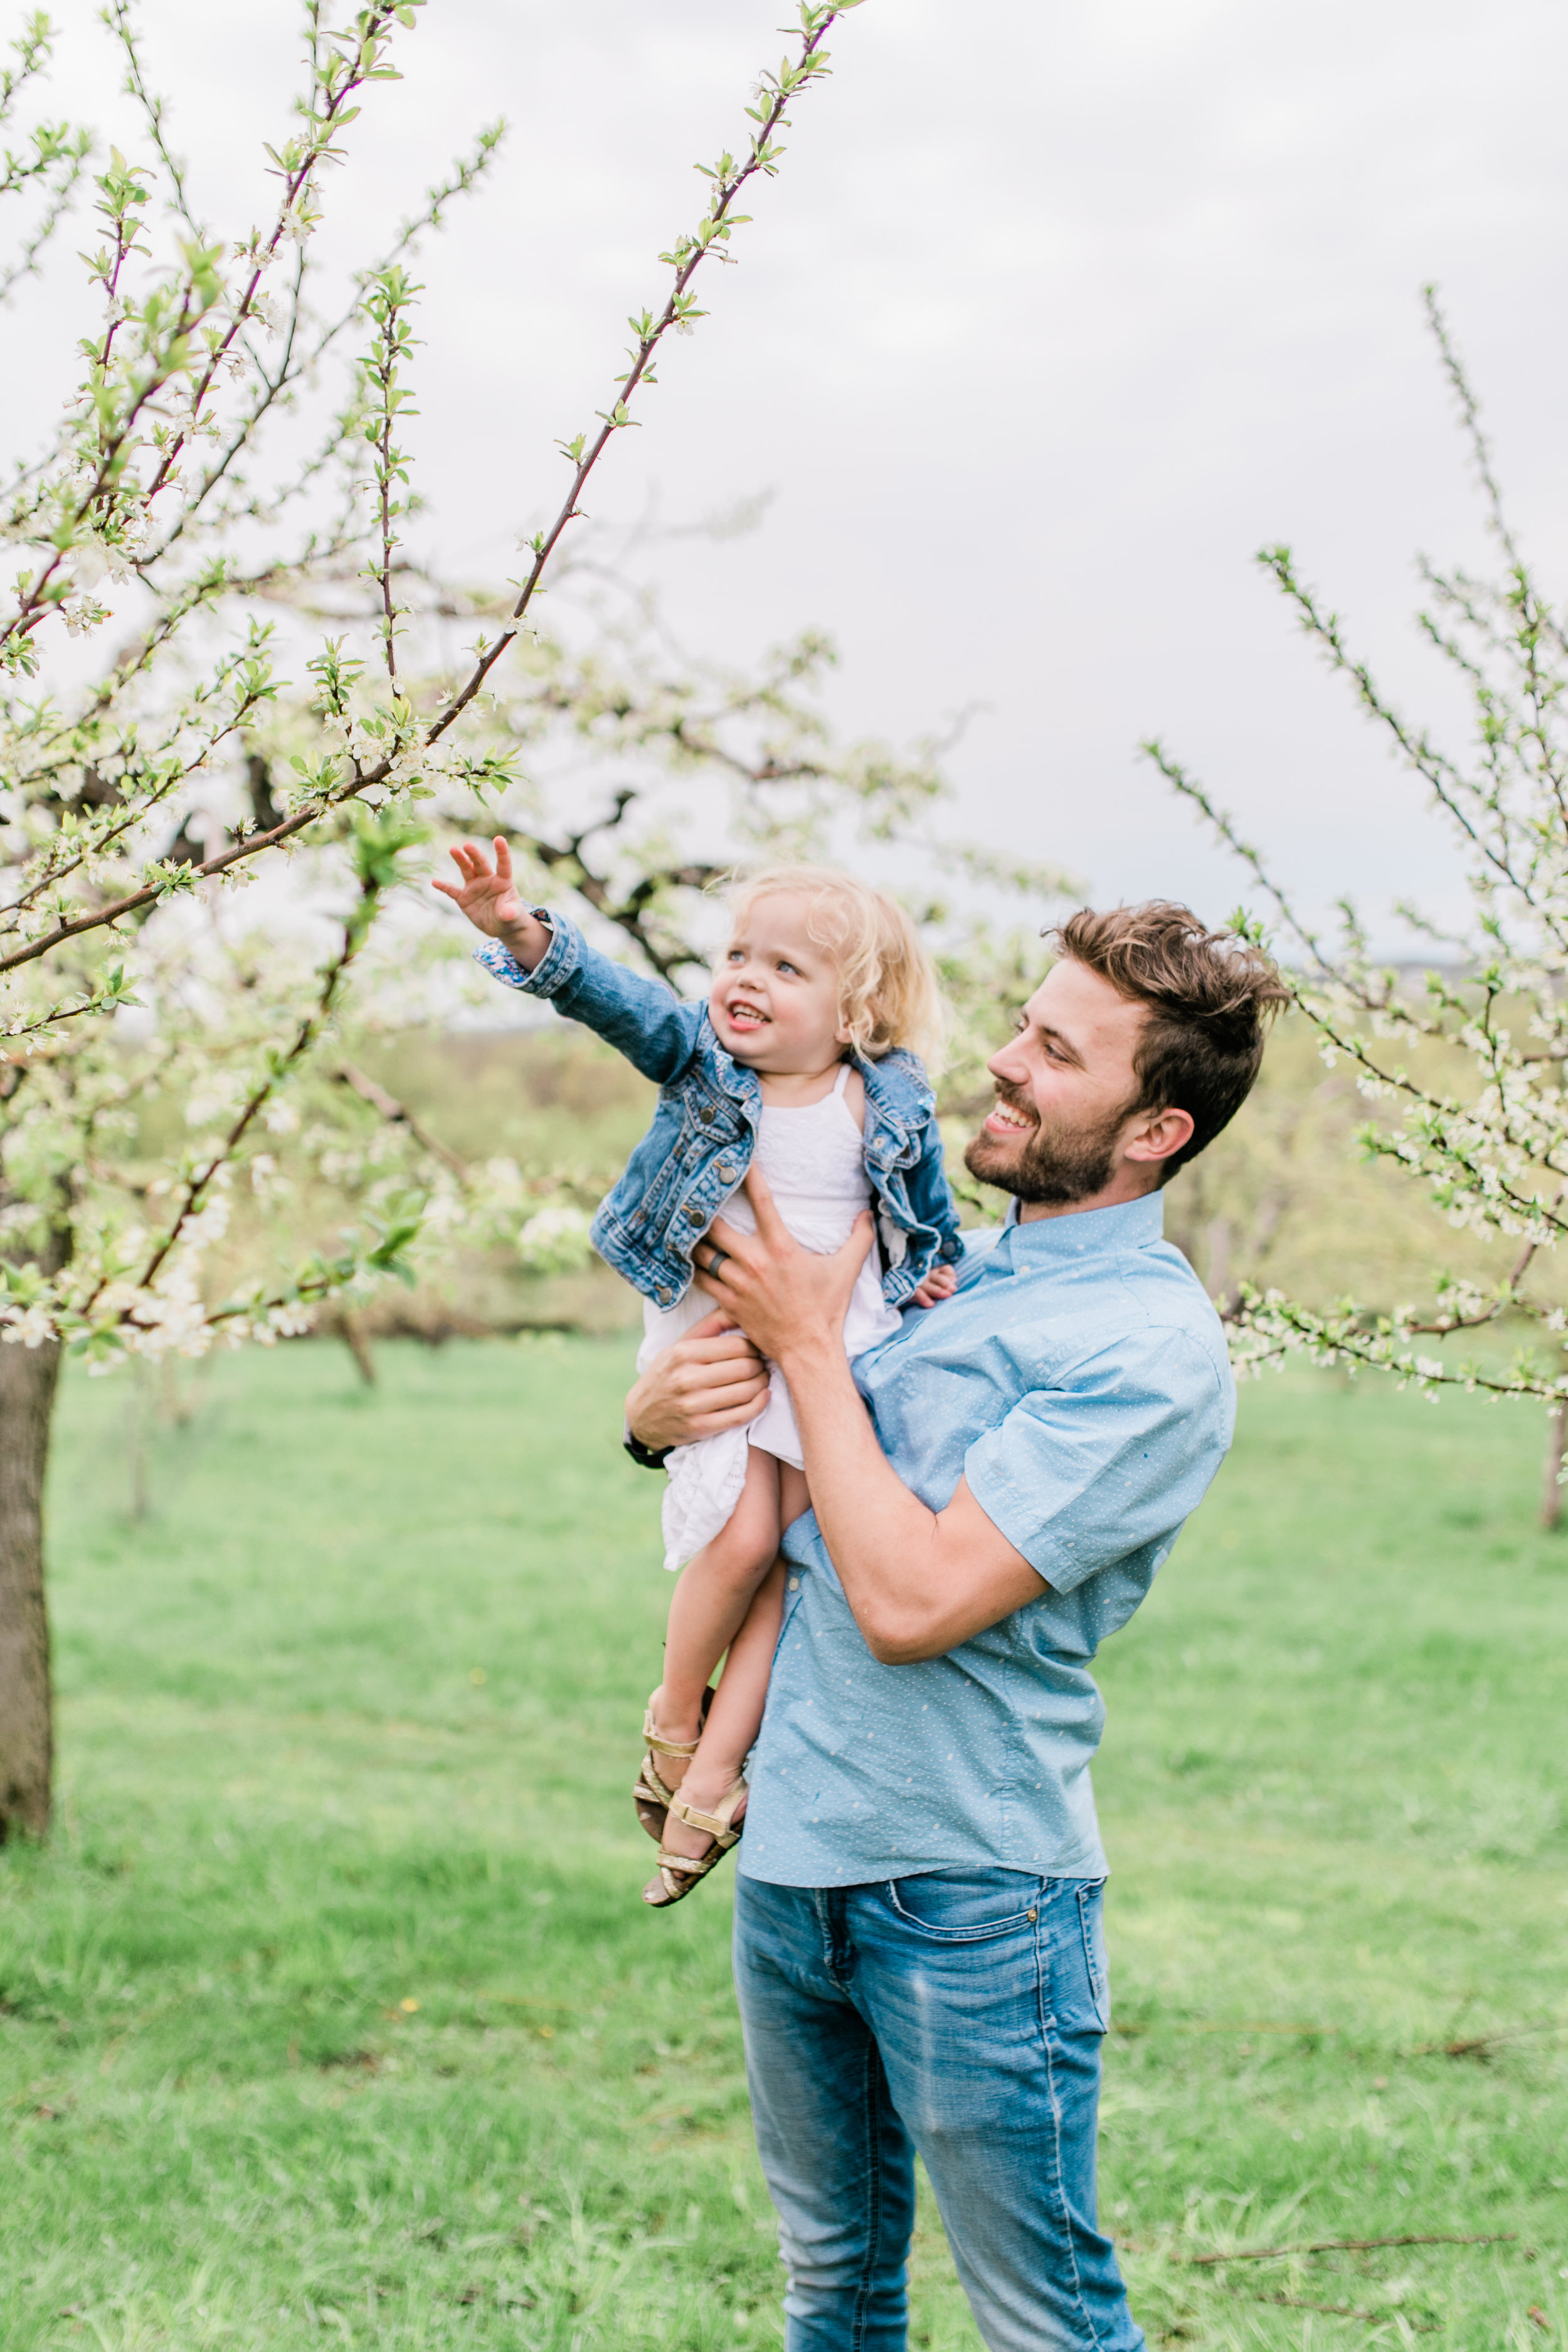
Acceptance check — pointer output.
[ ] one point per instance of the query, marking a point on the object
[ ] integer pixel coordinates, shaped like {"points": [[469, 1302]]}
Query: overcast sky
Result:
{"points": [[1052, 317]]}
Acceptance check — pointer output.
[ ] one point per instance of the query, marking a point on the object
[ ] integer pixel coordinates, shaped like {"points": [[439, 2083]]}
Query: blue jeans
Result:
{"points": [[959, 2013]]}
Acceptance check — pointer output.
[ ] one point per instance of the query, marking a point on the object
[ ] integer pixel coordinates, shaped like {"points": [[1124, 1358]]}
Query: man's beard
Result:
{"points": [[1057, 1166]]}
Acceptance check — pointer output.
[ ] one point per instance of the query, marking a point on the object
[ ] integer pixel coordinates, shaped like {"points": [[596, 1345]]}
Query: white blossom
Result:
{"points": [[216, 1095], [555, 1239], [30, 1326]]}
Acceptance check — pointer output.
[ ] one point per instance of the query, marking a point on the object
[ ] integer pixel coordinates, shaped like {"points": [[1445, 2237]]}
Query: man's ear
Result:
{"points": [[1156, 1137]]}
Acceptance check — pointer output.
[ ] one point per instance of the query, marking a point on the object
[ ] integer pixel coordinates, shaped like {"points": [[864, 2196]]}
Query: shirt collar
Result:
{"points": [[1081, 1232]]}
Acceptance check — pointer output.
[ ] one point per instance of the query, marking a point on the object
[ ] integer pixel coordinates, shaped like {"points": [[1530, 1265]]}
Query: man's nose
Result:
{"points": [[1008, 1065]]}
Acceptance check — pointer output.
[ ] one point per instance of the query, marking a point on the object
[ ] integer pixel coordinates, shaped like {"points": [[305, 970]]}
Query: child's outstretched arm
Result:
{"points": [[487, 896], [642, 1018]]}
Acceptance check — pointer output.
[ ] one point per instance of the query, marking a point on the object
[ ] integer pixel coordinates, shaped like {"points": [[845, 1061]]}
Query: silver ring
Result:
{"points": [[717, 1257]]}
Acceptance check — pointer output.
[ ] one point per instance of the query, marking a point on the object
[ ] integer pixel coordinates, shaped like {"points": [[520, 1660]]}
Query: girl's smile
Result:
{"points": [[775, 1003]]}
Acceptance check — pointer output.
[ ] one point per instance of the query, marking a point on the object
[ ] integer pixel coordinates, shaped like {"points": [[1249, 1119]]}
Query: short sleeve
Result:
{"points": [[1107, 1462]]}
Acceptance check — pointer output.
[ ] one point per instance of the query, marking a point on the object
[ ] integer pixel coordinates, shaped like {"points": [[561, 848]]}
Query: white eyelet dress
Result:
{"points": [[813, 1161]]}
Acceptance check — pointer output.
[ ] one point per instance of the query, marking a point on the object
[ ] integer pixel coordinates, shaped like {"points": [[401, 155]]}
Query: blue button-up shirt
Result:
{"points": [[1079, 1381]]}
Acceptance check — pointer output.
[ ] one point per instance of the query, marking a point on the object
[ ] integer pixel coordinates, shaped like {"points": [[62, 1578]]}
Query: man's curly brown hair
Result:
{"points": [[1211, 997]]}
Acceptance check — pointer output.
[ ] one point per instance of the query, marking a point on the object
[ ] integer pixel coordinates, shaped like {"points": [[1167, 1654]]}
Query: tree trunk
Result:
{"points": [[1551, 1470], [348, 1328], [28, 1378]]}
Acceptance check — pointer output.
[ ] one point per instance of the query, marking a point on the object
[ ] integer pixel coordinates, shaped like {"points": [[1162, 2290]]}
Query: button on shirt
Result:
{"points": [[1078, 1379]]}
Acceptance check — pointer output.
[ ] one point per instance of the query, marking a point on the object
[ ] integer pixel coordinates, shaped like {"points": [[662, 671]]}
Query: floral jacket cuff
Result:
{"points": [[550, 975]]}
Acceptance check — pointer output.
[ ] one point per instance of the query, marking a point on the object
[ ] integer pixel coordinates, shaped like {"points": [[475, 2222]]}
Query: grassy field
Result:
{"points": [[332, 2014]]}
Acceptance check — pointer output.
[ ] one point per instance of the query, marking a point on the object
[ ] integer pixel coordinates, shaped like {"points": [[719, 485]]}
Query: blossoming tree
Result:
{"points": [[192, 1153], [1472, 1060], [201, 508]]}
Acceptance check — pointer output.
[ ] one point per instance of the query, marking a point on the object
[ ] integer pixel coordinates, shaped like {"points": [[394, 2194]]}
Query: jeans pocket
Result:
{"points": [[966, 1907], [1092, 1928]]}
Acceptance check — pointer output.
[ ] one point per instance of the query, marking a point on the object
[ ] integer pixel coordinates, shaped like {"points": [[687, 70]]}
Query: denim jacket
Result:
{"points": [[705, 1128]]}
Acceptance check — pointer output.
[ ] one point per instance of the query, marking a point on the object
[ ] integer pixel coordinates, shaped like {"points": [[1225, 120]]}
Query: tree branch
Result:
{"points": [[678, 311]]}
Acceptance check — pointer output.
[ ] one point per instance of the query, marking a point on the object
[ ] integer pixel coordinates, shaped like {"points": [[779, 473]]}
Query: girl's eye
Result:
{"points": [[789, 968], [736, 955]]}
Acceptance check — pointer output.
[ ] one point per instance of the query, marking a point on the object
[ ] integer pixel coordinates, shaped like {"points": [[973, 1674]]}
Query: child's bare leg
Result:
{"points": [[736, 1715], [716, 1590], [795, 1494]]}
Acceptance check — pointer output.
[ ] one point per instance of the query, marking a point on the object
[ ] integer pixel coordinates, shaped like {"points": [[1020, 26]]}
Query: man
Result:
{"points": [[918, 1953]]}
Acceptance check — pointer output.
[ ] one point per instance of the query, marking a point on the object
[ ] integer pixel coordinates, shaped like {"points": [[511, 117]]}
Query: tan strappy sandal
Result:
{"points": [[678, 1873], [650, 1794]]}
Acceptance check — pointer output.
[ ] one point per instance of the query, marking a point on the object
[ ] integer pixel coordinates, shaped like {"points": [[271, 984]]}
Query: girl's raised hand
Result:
{"points": [[487, 894]]}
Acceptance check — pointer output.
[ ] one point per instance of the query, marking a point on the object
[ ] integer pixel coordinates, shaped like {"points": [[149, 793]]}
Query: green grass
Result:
{"points": [[1335, 1790]]}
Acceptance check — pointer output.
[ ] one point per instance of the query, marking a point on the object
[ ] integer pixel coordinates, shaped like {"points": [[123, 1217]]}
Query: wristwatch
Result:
{"points": [[646, 1458]]}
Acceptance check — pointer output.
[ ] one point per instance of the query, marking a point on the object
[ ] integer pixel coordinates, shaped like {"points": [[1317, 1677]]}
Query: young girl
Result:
{"points": [[801, 1059]]}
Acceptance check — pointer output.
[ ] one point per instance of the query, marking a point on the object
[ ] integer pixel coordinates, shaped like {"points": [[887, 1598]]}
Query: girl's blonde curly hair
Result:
{"points": [[887, 993]]}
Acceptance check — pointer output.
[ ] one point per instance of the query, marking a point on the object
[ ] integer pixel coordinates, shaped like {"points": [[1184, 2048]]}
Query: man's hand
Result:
{"points": [[487, 896], [711, 1379], [788, 1300], [940, 1283]]}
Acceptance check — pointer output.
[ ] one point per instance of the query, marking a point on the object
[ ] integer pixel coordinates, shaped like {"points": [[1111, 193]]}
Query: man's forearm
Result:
{"points": [[918, 1581], [868, 1515], [879, 1535]]}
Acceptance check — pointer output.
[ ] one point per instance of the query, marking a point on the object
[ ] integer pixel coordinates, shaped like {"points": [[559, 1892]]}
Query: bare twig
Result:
{"points": [[1247, 2028], [1475, 2045], [397, 1114], [1342, 2311], [1470, 413], [729, 180], [1349, 2246]]}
